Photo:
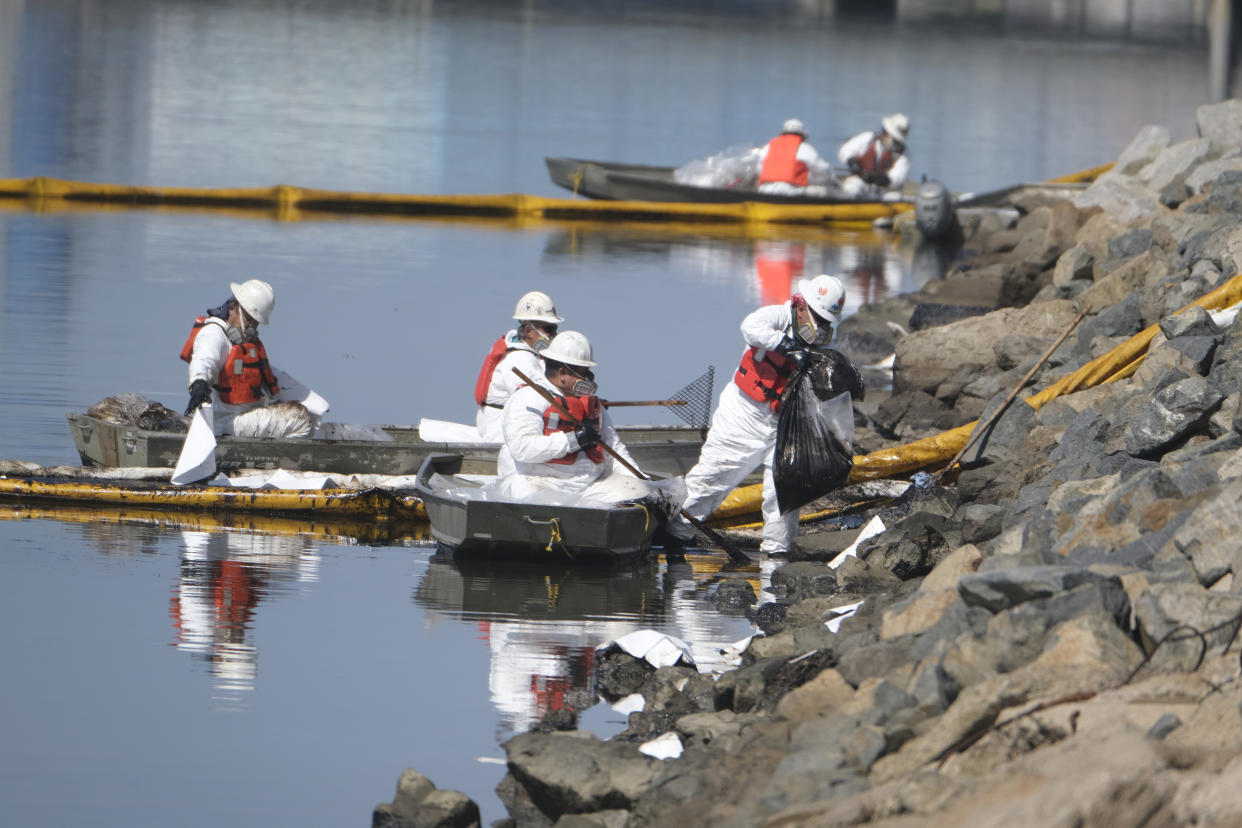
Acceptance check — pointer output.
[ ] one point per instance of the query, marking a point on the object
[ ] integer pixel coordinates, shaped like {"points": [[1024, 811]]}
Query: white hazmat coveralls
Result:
{"points": [[504, 383], [743, 435], [854, 186], [523, 462], [818, 173], [211, 349]]}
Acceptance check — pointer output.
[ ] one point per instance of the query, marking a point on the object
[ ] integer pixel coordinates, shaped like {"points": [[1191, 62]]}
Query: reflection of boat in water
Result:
{"points": [[468, 519], [486, 588], [543, 622]]}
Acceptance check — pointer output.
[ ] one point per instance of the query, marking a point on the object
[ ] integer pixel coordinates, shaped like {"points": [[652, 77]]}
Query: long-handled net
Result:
{"points": [[697, 410]]}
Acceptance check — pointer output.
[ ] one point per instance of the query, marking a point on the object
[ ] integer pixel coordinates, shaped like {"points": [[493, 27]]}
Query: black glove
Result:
{"points": [[787, 345], [855, 166], [200, 392], [587, 435], [797, 358]]}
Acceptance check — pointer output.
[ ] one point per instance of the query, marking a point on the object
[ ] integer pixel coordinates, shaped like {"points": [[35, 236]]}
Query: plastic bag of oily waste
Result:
{"points": [[280, 419], [737, 166], [815, 430]]}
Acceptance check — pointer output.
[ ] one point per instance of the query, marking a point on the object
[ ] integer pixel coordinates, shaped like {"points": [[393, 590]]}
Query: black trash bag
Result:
{"points": [[815, 430]]}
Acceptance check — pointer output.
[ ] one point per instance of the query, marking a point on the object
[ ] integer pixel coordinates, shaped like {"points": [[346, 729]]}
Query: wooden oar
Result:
{"points": [[735, 554], [616, 404]]}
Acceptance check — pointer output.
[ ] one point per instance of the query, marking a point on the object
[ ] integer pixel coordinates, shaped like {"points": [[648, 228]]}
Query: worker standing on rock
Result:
{"points": [[876, 160], [543, 452], [519, 348], [789, 165], [743, 430], [230, 370]]}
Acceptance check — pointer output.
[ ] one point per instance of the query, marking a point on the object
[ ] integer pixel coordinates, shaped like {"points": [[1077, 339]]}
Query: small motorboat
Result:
{"points": [[470, 519]]}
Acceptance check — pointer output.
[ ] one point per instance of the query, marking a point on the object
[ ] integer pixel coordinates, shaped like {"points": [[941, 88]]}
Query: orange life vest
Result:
{"points": [[781, 163], [583, 410], [763, 380], [499, 348], [876, 160], [245, 372]]}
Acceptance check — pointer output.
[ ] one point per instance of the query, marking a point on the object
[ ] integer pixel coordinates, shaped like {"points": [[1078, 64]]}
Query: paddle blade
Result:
{"points": [[698, 398]]}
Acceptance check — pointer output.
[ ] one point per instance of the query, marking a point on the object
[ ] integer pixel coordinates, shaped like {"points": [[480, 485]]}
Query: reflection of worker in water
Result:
{"points": [[777, 265], [223, 578]]}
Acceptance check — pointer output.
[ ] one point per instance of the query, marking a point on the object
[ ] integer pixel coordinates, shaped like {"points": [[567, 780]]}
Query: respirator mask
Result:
{"points": [[545, 337], [584, 386], [238, 335], [814, 334]]}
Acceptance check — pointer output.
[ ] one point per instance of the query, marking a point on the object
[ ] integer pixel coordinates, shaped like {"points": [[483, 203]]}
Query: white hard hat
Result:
{"points": [[896, 125], [795, 126], [571, 348], [825, 295], [256, 298], [536, 306]]}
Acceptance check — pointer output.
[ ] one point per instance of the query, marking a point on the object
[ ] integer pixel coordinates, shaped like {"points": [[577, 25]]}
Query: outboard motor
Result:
{"points": [[933, 210]]}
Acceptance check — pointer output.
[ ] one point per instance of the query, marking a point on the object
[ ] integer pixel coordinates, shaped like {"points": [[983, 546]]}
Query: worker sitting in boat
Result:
{"points": [[544, 452], [519, 348], [743, 430], [876, 160], [230, 370], [789, 165]]}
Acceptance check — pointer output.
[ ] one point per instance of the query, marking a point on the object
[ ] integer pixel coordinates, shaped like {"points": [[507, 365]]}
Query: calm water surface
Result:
{"points": [[180, 673]]}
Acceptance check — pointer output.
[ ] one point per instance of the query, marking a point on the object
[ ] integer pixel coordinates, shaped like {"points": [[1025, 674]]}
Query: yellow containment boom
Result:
{"points": [[933, 452], [369, 503], [288, 202]]}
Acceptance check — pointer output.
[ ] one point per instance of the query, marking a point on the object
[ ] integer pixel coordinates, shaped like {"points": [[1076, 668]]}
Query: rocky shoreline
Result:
{"points": [[1047, 636]]}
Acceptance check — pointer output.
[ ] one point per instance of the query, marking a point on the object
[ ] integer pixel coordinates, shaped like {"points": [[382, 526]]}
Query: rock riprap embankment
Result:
{"points": [[1047, 639]]}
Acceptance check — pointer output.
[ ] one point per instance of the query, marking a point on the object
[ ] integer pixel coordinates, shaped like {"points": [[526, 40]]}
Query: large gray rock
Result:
{"points": [[1175, 412], [993, 440], [925, 359], [1126, 200], [1221, 124], [572, 773], [1002, 589], [1167, 173], [1142, 150], [419, 804]]}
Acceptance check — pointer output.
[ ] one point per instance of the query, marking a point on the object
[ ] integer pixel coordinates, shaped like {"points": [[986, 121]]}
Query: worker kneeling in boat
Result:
{"points": [[229, 369], [543, 453], [743, 430], [876, 160], [519, 348], [789, 165]]}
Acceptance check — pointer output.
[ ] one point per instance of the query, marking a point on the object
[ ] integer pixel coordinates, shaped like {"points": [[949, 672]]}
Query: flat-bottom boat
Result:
{"points": [[632, 182], [467, 520], [660, 451]]}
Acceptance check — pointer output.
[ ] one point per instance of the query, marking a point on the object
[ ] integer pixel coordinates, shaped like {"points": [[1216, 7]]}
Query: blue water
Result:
{"points": [[177, 674]]}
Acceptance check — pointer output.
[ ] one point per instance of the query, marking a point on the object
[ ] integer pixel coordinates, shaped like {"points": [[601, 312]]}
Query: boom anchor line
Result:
{"points": [[735, 554]]}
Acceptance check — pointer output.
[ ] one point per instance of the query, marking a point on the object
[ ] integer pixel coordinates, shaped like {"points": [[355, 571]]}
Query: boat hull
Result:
{"points": [[661, 451], [631, 182], [475, 528]]}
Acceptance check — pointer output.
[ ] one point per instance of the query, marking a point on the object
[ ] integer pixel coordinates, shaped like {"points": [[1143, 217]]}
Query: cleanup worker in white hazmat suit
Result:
{"points": [[544, 454], [229, 369], [743, 430], [519, 348], [876, 160]]}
